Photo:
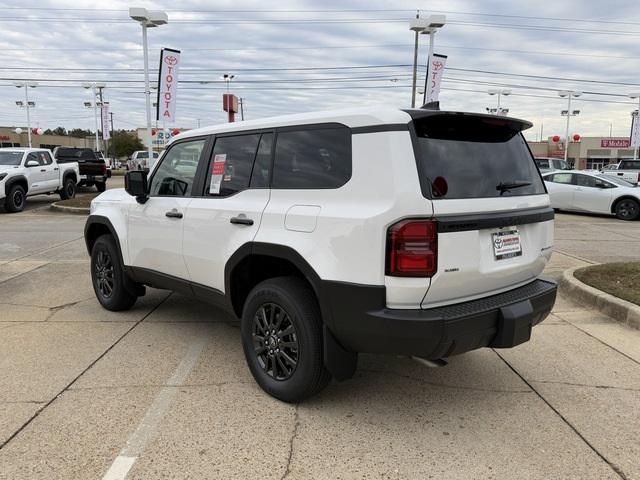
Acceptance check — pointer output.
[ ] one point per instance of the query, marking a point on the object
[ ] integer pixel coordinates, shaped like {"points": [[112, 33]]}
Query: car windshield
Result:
{"points": [[562, 165], [617, 181], [10, 158]]}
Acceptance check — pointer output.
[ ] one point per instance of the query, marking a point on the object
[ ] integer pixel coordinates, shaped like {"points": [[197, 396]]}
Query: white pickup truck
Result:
{"points": [[33, 171], [628, 170]]}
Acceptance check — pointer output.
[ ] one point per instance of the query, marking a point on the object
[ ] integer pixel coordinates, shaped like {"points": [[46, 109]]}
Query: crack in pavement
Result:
{"points": [[603, 342], [442, 385], [612, 465], [159, 385], [570, 384], [74, 380], [294, 434]]}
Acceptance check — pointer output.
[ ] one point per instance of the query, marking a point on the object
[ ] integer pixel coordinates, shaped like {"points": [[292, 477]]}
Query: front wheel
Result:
{"points": [[16, 199], [101, 186], [282, 339], [68, 189], [628, 209], [108, 276]]}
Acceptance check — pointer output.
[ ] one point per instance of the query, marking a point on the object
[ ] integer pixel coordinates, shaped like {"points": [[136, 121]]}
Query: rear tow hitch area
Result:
{"points": [[437, 363]]}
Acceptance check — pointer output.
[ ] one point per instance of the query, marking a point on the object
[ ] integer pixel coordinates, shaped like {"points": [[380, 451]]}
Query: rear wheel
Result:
{"points": [[16, 199], [108, 276], [101, 186], [68, 189], [282, 339], [628, 209]]}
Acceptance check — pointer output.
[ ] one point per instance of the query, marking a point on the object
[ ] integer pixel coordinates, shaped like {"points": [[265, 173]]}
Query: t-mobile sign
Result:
{"points": [[611, 143]]}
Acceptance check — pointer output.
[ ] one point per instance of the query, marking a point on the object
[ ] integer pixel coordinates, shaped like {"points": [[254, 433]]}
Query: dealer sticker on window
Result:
{"points": [[506, 243]]}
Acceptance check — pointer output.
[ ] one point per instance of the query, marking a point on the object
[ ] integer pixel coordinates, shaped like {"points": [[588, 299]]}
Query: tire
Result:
{"points": [[627, 209], [16, 199], [68, 189], [108, 277], [294, 370], [101, 186]]}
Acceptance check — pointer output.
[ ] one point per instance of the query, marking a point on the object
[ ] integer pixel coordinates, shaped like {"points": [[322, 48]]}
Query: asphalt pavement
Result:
{"points": [[162, 391]]}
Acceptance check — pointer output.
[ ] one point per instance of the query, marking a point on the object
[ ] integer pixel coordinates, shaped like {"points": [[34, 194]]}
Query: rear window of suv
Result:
{"points": [[474, 157]]}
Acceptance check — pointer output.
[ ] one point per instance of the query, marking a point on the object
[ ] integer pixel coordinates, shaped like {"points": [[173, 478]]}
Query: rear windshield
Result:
{"points": [[474, 157], [629, 165]]}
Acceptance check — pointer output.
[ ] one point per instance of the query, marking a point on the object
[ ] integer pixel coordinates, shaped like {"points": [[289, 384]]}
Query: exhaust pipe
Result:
{"points": [[437, 363]]}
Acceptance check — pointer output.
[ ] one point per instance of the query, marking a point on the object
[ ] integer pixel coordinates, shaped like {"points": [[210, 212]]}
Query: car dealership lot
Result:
{"points": [[165, 385]]}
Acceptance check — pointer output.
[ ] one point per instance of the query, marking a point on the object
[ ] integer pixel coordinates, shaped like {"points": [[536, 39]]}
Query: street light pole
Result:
{"points": [[417, 29], [569, 114], [148, 18], [26, 85]]}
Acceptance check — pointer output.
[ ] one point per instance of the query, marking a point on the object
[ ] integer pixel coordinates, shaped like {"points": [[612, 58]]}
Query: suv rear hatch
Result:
{"points": [[494, 223]]}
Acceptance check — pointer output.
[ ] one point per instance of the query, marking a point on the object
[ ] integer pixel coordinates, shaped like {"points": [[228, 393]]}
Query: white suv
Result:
{"points": [[416, 232]]}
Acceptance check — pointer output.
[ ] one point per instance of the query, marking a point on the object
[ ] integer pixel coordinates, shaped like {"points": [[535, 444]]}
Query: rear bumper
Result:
{"points": [[361, 324]]}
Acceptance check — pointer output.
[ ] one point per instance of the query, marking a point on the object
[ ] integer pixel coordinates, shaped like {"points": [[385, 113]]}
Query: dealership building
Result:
{"points": [[586, 152], [9, 138]]}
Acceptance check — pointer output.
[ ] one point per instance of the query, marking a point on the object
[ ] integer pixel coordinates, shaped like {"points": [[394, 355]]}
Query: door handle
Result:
{"points": [[43, 169], [241, 220], [173, 214], [56, 168]]}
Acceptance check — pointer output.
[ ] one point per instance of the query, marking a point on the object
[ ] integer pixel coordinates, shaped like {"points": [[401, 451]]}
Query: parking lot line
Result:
{"points": [[148, 426]]}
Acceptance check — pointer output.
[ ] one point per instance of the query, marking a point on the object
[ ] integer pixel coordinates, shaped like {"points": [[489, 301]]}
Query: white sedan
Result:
{"points": [[594, 193]]}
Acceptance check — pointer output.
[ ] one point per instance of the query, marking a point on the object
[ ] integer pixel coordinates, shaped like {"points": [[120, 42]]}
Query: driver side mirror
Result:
{"points": [[135, 184], [32, 163]]}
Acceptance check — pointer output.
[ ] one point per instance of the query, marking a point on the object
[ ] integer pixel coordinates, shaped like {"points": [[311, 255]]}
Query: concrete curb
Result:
{"points": [[74, 210], [618, 309]]}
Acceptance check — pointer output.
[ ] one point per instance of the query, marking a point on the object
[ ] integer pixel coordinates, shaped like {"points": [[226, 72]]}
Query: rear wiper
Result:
{"points": [[506, 186]]}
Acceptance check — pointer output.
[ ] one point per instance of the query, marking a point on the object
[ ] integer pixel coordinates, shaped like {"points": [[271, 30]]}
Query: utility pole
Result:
{"points": [[241, 108], [415, 65], [106, 142]]}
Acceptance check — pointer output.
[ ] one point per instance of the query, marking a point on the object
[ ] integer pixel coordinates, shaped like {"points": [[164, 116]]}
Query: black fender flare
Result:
{"points": [[67, 175], [18, 178], [341, 362]]}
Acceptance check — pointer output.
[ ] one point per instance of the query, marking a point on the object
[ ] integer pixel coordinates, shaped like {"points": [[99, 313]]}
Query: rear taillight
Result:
{"points": [[412, 249]]}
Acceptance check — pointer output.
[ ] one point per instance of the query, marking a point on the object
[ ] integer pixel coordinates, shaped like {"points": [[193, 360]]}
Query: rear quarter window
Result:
{"points": [[312, 158], [474, 157]]}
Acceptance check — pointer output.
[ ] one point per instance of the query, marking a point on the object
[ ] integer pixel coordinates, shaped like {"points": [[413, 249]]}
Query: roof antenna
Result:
{"points": [[431, 106]]}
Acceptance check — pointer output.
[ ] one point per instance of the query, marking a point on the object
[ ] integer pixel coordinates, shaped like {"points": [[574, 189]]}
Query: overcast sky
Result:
{"points": [[63, 43]]}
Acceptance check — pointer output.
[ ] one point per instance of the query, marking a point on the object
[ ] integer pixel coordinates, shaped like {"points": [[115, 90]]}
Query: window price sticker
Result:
{"points": [[217, 172]]}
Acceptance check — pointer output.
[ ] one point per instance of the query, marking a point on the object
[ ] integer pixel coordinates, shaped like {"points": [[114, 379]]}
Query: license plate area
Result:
{"points": [[506, 243]]}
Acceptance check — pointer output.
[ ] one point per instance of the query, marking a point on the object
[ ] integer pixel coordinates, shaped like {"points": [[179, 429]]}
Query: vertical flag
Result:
{"points": [[168, 85], [106, 131], [635, 132], [432, 83]]}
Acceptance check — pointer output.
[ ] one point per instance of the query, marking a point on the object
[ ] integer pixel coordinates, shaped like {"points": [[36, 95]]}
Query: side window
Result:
{"points": [[262, 165], [585, 181], [561, 178], [231, 164], [317, 158], [543, 163], [44, 158], [174, 176]]}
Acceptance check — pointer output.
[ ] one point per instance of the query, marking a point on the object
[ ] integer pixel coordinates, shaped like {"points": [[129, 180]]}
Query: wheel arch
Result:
{"points": [[615, 203], [69, 174], [96, 226], [20, 180], [255, 262]]}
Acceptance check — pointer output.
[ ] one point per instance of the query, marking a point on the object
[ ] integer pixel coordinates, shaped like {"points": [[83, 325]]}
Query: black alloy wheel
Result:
{"points": [[628, 209], [104, 274], [18, 199], [275, 341]]}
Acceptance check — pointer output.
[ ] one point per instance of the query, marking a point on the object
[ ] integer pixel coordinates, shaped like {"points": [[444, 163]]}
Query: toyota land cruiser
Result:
{"points": [[415, 232]]}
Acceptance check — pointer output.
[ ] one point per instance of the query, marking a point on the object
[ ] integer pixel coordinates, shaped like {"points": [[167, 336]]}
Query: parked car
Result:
{"points": [[415, 232], [25, 172], [610, 166], [140, 160], [628, 170], [593, 193], [93, 170], [549, 164]]}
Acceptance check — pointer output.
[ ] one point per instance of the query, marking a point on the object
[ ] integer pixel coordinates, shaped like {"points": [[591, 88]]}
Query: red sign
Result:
{"points": [[610, 143], [5, 137]]}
